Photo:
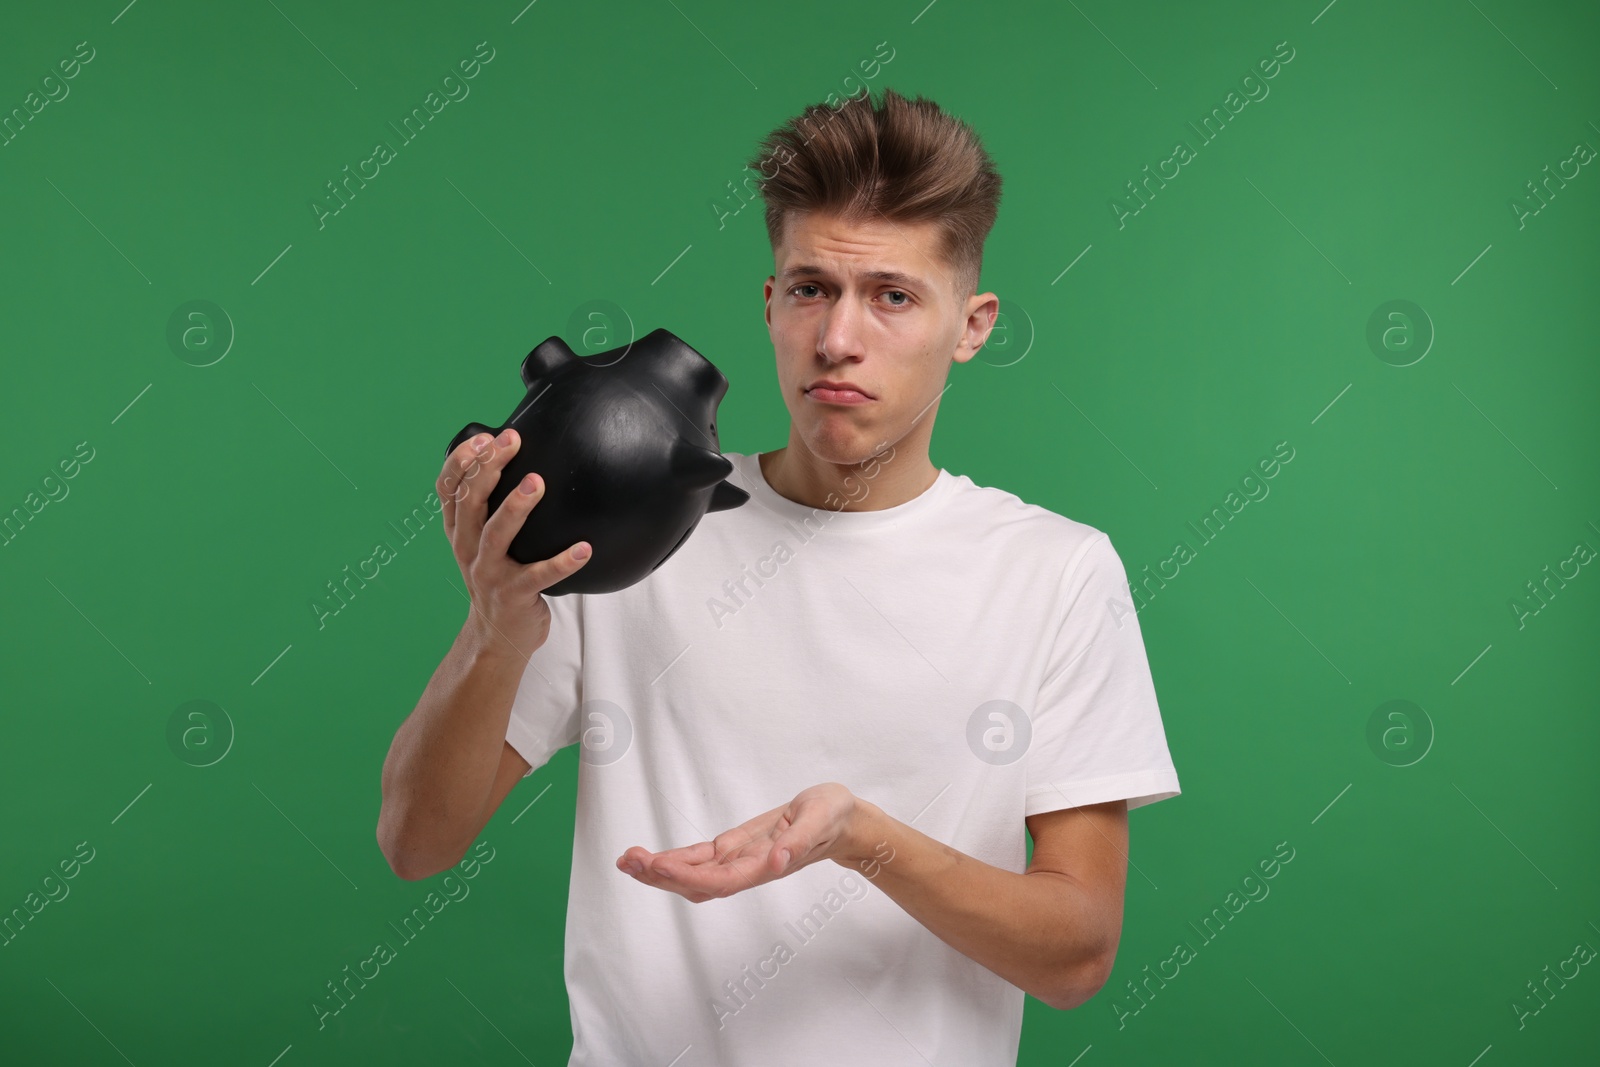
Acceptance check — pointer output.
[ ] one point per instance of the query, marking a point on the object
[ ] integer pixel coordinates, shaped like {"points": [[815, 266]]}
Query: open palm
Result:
{"points": [[776, 843]]}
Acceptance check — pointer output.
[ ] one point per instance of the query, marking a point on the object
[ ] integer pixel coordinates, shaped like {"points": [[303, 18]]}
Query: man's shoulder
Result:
{"points": [[996, 518], [1004, 514]]}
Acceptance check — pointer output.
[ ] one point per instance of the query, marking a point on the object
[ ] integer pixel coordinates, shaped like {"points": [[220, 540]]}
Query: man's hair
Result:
{"points": [[901, 160]]}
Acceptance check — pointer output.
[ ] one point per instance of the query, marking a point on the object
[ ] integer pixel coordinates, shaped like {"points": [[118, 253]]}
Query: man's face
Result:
{"points": [[871, 304]]}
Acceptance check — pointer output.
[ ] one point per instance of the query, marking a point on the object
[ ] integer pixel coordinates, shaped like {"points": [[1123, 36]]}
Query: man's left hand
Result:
{"points": [[816, 825]]}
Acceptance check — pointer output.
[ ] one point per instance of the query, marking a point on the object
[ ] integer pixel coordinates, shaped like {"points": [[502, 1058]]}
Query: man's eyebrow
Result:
{"points": [[893, 277]]}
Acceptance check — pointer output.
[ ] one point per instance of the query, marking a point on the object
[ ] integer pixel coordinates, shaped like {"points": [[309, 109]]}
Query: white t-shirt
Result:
{"points": [[962, 660]]}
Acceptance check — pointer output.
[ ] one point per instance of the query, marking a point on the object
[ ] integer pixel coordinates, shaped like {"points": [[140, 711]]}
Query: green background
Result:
{"points": [[592, 161]]}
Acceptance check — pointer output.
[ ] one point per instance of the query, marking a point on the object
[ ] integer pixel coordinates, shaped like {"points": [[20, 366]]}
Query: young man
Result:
{"points": [[811, 741]]}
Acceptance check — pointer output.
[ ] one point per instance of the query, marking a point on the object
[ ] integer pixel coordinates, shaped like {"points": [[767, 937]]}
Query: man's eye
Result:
{"points": [[807, 285], [901, 303]]}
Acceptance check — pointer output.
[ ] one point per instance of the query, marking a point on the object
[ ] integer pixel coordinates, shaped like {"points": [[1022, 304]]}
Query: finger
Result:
{"points": [[694, 871], [460, 466], [783, 854], [702, 882], [791, 848], [703, 852], [547, 572], [763, 825], [634, 856], [719, 873], [508, 519], [693, 895], [503, 526], [730, 841], [478, 478], [650, 876], [734, 875], [456, 466]]}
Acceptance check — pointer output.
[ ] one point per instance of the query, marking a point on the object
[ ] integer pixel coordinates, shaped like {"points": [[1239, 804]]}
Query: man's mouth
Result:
{"points": [[837, 393]]}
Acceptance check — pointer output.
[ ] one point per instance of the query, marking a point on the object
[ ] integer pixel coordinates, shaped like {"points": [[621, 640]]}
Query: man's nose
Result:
{"points": [[841, 333]]}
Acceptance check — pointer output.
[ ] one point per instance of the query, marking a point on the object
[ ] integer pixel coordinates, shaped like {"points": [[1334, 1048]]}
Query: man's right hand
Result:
{"points": [[507, 606]]}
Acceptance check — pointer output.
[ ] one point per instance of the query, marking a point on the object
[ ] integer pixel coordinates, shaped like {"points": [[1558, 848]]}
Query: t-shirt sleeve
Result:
{"points": [[544, 712], [1097, 731]]}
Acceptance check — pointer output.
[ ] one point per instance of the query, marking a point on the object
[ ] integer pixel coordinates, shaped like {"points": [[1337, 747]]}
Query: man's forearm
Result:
{"points": [[1035, 930]]}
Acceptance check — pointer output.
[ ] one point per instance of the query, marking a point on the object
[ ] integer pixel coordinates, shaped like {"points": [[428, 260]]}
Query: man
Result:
{"points": [[873, 675]]}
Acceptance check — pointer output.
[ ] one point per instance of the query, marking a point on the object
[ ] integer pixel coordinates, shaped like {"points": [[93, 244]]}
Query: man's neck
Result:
{"points": [[890, 479]]}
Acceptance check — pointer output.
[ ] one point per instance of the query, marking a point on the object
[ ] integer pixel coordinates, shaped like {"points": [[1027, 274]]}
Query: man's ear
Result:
{"points": [[982, 311], [766, 296]]}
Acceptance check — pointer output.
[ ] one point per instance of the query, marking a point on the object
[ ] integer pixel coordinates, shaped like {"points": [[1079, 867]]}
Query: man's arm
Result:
{"points": [[1052, 931], [450, 765]]}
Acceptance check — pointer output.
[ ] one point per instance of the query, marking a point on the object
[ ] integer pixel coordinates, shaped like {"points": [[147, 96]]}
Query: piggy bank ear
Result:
{"points": [[696, 467], [551, 353], [726, 496]]}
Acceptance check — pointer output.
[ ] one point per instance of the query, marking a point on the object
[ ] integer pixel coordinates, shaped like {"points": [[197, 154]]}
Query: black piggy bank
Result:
{"points": [[626, 442]]}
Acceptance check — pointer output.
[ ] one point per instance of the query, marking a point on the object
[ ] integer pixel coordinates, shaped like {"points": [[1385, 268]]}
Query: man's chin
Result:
{"points": [[847, 449]]}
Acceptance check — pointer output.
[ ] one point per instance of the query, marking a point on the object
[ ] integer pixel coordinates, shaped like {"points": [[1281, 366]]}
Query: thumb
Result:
{"points": [[785, 849], [795, 839]]}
